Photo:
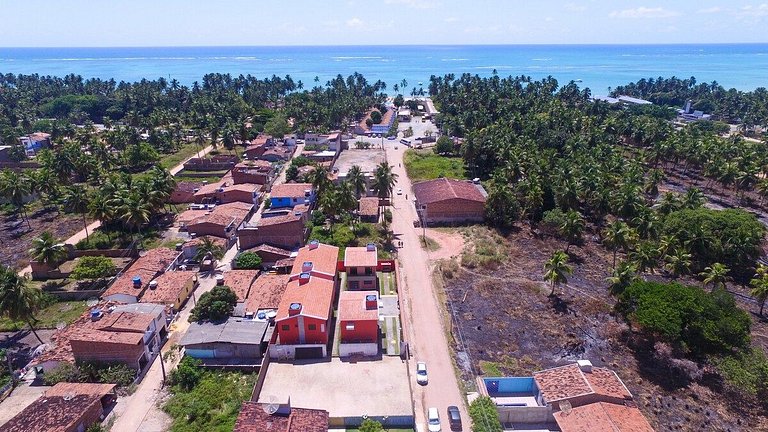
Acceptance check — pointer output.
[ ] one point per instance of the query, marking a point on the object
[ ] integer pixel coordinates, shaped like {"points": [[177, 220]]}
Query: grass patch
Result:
{"points": [[50, 316], [212, 404], [343, 235], [509, 366], [186, 151], [485, 249], [426, 165], [428, 244], [387, 283]]}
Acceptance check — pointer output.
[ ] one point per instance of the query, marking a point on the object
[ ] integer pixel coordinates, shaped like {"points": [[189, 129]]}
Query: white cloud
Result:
{"points": [[644, 12], [711, 10], [414, 4], [355, 23], [549, 19], [754, 12], [573, 7], [451, 20]]}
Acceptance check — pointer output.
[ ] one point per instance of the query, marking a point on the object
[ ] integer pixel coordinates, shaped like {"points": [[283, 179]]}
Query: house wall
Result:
{"points": [[365, 331], [290, 335], [361, 281], [288, 352], [124, 298], [104, 352], [455, 211], [288, 235], [250, 177], [207, 228], [223, 351], [238, 196], [352, 349], [536, 414]]}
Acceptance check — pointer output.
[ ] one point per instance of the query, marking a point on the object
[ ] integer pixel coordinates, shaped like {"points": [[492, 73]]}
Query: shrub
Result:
{"points": [[694, 320], [215, 305], [89, 372], [64, 372], [444, 146], [369, 425], [93, 267], [484, 416], [187, 374], [248, 260], [375, 117], [746, 371], [552, 220], [97, 240], [388, 215]]}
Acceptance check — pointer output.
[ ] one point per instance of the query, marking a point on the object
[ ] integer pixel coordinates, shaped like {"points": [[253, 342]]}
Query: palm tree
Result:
{"points": [[345, 197], [76, 201], [693, 198], [15, 188], [716, 274], [623, 276], [47, 250], [678, 262], [100, 209], [645, 257], [319, 179], [617, 236], [134, 211], [208, 248], [557, 270], [356, 178], [19, 301], [760, 286], [384, 180], [572, 228]]}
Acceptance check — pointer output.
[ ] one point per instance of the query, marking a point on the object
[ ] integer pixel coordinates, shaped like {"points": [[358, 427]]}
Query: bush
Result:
{"points": [[89, 372], [552, 220], [731, 237], [746, 371], [484, 416], [695, 321], [369, 425], [187, 374], [444, 146], [93, 267], [215, 305], [248, 260], [388, 215], [64, 372], [96, 240], [375, 117]]}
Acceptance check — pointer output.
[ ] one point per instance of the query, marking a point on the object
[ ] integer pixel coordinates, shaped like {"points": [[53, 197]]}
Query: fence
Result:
{"points": [[260, 380]]}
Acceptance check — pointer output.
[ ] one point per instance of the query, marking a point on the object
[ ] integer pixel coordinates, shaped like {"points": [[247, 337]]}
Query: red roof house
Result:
{"points": [[447, 201], [222, 221], [303, 320], [254, 418], [358, 317], [360, 264]]}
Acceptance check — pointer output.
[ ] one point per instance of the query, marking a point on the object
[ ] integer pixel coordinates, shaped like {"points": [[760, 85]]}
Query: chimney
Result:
{"points": [[303, 278], [585, 365], [306, 267], [294, 309], [137, 282], [370, 247], [153, 285], [314, 244], [371, 302], [220, 280]]}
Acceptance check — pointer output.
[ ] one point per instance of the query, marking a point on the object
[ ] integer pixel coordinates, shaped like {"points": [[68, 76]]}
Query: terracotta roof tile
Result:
{"points": [[188, 216], [64, 389], [323, 258], [605, 382], [197, 241], [352, 306], [442, 189], [368, 206], [360, 257], [146, 267], [55, 413], [314, 296], [225, 214], [271, 249], [253, 418], [266, 292], [170, 285], [603, 417], [562, 382], [290, 190], [240, 281]]}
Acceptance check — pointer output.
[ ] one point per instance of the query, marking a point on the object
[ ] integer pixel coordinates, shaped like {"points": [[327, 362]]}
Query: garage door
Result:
{"points": [[309, 353]]}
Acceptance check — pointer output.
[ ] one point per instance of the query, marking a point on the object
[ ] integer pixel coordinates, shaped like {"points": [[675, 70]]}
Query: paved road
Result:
{"points": [[421, 309]]}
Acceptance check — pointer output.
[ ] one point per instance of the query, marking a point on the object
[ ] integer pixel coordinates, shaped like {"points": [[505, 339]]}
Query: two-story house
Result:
{"points": [[291, 195], [360, 263]]}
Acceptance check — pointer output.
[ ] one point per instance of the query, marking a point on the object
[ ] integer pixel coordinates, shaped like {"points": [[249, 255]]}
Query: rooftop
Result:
{"points": [[169, 287], [603, 417], [314, 296], [431, 191], [225, 214], [352, 306], [360, 257], [322, 256], [368, 206], [218, 241], [240, 281], [290, 190], [566, 382], [236, 331], [271, 249], [253, 418], [266, 292]]}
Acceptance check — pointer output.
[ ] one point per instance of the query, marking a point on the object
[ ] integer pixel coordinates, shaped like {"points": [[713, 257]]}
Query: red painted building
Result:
{"points": [[359, 316]]}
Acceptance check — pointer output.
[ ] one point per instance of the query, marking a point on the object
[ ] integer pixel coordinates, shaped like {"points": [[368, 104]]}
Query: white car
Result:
{"points": [[399, 191], [433, 420], [421, 373]]}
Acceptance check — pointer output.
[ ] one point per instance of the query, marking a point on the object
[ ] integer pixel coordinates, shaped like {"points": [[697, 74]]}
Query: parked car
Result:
{"points": [[399, 191], [454, 418], [421, 373], [433, 420], [391, 137]]}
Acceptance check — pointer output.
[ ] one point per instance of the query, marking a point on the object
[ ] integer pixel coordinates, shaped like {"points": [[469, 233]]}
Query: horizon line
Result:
{"points": [[389, 45]]}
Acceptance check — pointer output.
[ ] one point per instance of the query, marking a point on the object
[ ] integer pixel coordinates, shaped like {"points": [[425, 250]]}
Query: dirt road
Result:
{"points": [[421, 309]]}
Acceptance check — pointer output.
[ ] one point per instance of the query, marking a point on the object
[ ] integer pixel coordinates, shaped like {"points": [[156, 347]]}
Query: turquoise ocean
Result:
{"points": [[743, 66]]}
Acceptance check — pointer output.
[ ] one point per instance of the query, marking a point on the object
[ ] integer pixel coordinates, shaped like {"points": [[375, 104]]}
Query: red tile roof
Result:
{"points": [[266, 292], [314, 296], [271, 249], [147, 267], [170, 285], [225, 214], [259, 165], [290, 190], [253, 418], [323, 258], [240, 281], [431, 191], [197, 241], [64, 389], [368, 206], [188, 216], [566, 382], [352, 306], [603, 417], [360, 257]]}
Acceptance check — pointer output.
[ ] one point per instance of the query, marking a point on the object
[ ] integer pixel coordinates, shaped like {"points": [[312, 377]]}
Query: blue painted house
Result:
{"points": [[291, 195]]}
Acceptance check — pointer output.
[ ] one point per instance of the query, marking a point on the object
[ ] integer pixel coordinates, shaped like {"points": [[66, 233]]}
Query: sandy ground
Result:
{"points": [[451, 243], [422, 317]]}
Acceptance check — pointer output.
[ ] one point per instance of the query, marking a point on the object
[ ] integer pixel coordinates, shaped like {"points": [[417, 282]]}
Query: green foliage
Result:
{"points": [[90, 372], [300, 161], [730, 237], [341, 235], [212, 404], [96, 240], [552, 220], [248, 260], [388, 215], [501, 206], [425, 165], [484, 416], [369, 425], [745, 371], [375, 117], [291, 173], [214, 305], [187, 374], [444, 146], [277, 126], [696, 321], [93, 267]]}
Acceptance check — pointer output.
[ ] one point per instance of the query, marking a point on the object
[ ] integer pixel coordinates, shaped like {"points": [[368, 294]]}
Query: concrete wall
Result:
{"points": [[349, 349], [525, 414], [455, 211], [288, 352]]}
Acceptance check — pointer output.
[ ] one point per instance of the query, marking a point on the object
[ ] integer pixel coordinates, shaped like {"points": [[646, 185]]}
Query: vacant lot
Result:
{"points": [[16, 236], [426, 165], [48, 318], [510, 327]]}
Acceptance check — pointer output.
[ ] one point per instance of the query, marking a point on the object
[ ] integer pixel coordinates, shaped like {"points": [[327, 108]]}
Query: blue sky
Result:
{"points": [[79, 23]]}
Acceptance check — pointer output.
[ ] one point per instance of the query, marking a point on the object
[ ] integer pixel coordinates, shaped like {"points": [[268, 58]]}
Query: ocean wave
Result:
{"points": [[245, 58], [454, 59], [339, 58], [114, 58], [541, 59]]}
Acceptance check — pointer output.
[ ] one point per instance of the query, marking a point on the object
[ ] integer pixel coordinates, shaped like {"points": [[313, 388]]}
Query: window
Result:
{"points": [[353, 271], [368, 271], [285, 327], [350, 326], [313, 327], [367, 282]]}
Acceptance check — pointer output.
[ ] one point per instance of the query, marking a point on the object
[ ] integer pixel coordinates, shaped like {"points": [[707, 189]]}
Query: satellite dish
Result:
{"points": [[92, 302], [271, 406], [565, 407], [61, 325]]}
